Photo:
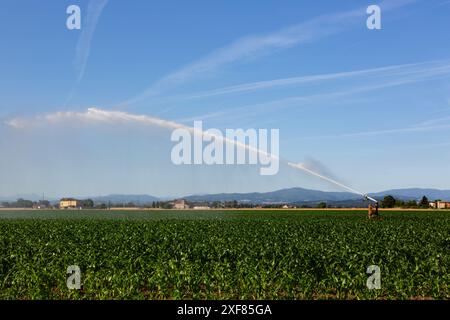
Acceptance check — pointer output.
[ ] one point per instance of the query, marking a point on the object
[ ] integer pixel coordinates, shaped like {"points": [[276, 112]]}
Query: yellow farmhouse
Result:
{"points": [[69, 203]]}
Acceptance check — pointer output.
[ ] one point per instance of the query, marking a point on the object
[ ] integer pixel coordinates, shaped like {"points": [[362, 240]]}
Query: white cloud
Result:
{"points": [[395, 76], [424, 69], [430, 122], [83, 48], [410, 129], [258, 45]]}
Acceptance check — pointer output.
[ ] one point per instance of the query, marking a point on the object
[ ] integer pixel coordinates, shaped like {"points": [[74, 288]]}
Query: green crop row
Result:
{"points": [[227, 255]]}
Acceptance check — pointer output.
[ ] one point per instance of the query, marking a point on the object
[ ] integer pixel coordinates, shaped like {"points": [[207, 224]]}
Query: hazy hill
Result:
{"points": [[415, 193], [291, 195], [280, 196], [122, 198], [300, 195]]}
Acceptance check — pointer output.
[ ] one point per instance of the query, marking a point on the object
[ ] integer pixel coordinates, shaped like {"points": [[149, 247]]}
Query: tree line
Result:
{"points": [[23, 203], [391, 202], [388, 202]]}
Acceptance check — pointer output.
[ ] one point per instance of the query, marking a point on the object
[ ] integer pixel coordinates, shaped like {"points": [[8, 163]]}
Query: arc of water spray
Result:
{"points": [[302, 167], [238, 144], [103, 116], [292, 165]]}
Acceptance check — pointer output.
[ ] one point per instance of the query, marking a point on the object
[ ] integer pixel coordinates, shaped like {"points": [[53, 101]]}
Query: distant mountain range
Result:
{"points": [[415, 193], [280, 196], [31, 196], [291, 195], [300, 195], [122, 198]]}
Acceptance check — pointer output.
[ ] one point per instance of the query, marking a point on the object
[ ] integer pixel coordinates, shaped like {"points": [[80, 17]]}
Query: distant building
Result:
{"points": [[201, 208], [180, 204], [39, 206], [69, 203], [440, 204]]}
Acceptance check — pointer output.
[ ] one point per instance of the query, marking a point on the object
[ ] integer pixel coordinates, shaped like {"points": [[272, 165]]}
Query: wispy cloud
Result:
{"points": [[387, 77], [409, 147], [254, 46], [409, 129], [83, 48], [397, 130], [422, 68], [442, 120]]}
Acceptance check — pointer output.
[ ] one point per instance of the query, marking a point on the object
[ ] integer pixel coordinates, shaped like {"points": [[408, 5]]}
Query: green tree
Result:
{"points": [[424, 203], [217, 204], [399, 203], [322, 205], [21, 203], [88, 203], [388, 202], [411, 204], [166, 205]]}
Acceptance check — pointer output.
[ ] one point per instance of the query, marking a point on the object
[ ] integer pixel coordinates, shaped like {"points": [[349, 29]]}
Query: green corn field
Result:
{"points": [[259, 254]]}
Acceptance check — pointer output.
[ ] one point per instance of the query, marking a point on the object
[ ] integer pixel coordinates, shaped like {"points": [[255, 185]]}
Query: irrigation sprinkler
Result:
{"points": [[367, 197], [373, 209]]}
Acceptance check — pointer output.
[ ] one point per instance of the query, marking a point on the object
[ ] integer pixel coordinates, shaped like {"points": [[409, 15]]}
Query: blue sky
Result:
{"points": [[372, 106]]}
